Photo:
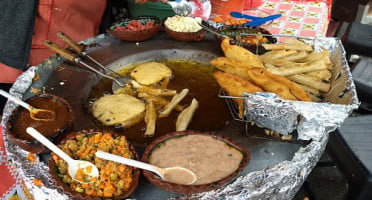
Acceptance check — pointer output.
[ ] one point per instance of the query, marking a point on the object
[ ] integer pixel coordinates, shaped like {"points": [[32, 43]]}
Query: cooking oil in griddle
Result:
{"points": [[211, 115]]}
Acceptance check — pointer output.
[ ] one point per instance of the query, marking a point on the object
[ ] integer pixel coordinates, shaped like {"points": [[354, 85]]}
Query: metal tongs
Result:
{"points": [[205, 27], [211, 30], [74, 57], [256, 21]]}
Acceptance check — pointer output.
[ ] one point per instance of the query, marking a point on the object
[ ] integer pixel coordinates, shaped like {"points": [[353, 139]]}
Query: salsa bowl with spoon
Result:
{"points": [[20, 118], [35, 113]]}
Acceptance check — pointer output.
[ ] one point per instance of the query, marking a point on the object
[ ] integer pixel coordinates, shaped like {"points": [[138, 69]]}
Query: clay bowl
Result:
{"points": [[20, 119], [56, 174], [182, 36], [129, 30], [237, 32], [201, 187], [186, 36]]}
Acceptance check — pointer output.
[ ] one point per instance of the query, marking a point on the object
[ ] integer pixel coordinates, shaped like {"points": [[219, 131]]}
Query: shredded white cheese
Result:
{"points": [[183, 24]]}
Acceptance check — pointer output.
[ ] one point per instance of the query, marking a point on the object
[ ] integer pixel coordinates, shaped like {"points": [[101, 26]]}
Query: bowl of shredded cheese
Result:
{"points": [[184, 28]]}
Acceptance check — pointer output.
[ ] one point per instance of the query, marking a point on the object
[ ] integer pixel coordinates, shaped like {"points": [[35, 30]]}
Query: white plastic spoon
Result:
{"points": [[178, 175], [73, 165]]}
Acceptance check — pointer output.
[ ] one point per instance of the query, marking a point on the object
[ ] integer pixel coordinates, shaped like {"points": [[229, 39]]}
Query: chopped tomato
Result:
{"points": [[134, 25]]}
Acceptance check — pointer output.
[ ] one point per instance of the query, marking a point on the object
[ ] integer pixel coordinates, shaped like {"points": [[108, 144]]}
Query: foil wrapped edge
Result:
{"points": [[310, 119], [27, 171], [315, 119]]}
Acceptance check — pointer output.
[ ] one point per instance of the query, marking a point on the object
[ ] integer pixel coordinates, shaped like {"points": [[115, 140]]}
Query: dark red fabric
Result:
{"points": [[78, 19]]}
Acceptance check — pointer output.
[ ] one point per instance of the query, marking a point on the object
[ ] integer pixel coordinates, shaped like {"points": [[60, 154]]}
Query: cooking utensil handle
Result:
{"points": [[80, 50], [16, 100], [70, 42], [127, 161], [74, 58], [241, 15], [99, 64], [39, 137], [117, 81], [263, 20], [63, 52]]}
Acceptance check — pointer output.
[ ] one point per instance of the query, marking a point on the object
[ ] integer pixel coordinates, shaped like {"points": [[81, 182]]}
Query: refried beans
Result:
{"points": [[210, 158]]}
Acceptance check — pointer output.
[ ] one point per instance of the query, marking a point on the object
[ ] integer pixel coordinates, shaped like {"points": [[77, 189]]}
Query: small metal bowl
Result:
{"points": [[20, 119], [190, 189], [129, 32]]}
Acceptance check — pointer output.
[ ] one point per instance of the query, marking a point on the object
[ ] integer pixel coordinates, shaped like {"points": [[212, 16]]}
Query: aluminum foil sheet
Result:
{"points": [[311, 120], [280, 181], [316, 119], [25, 169]]}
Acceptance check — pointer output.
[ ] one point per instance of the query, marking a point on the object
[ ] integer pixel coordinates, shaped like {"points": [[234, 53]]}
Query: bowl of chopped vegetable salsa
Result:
{"points": [[115, 181], [136, 29]]}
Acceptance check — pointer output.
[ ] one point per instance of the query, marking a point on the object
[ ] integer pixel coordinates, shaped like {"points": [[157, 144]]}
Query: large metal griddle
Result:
{"points": [[73, 83]]}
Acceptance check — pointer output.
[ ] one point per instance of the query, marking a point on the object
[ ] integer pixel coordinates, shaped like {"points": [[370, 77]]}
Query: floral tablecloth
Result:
{"points": [[12, 186], [299, 18]]}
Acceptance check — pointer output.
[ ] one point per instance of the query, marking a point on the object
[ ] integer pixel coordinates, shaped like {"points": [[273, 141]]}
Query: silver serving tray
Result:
{"points": [[57, 76]]}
